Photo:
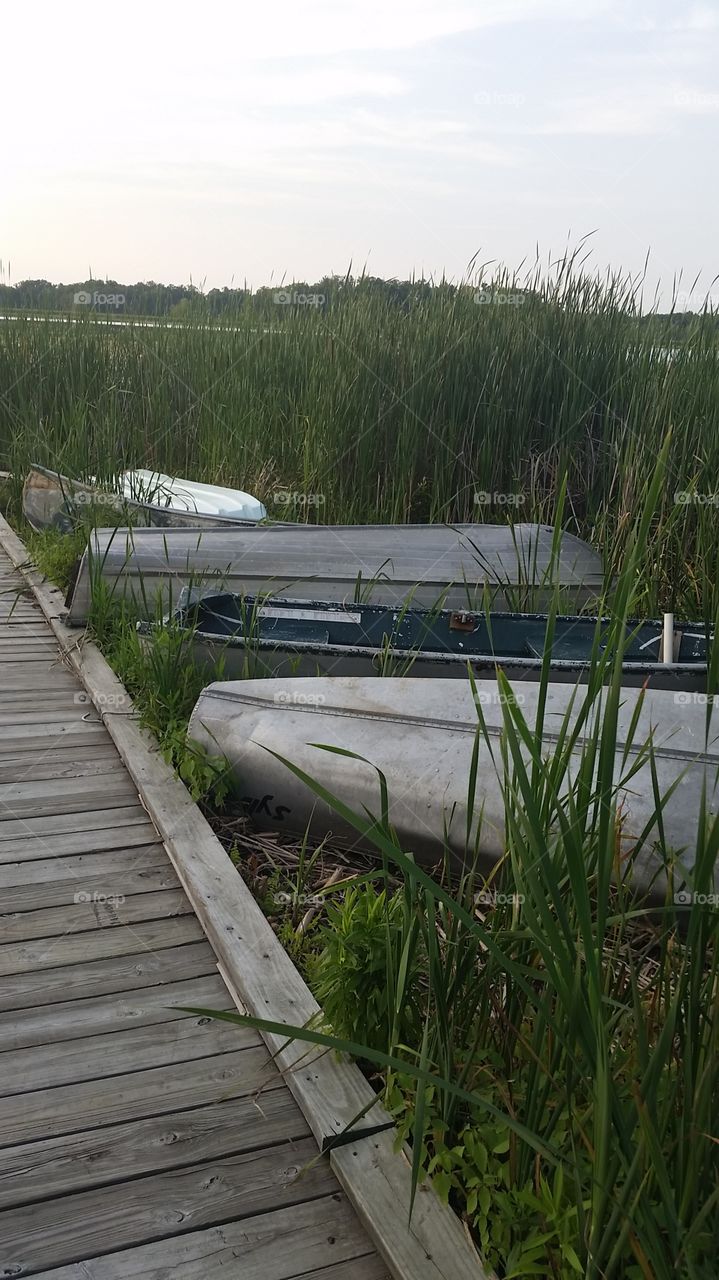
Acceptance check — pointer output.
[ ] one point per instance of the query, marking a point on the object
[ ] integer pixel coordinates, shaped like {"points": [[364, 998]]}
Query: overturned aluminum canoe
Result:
{"points": [[53, 501], [322, 637], [421, 735], [381, 564]]}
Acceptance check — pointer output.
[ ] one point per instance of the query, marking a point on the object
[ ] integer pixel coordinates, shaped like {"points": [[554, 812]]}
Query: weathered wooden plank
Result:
{"points": [[64, 795], [23, 652], [98, 944], [92, 1158], [75, 752], [127, 835], [39, 636], [31, 727], [75, 1226], [70, 1108], [18, 643], [289, 1244], [33, 630], [62, 890], [121, 974], [85, 746], [61, 871], [92, 912], [26, 701], [45, 768], [43, 680], [117, 1052], [24, 639], [111, 796], [41, 791], [12, 638], [43, 635], [92, 822], [28, 636], [18, 622], [75, 1019], [47, 674]]}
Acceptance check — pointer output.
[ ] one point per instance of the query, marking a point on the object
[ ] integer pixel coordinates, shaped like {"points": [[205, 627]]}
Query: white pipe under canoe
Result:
{"points": [[389, 564], [421, 734]]}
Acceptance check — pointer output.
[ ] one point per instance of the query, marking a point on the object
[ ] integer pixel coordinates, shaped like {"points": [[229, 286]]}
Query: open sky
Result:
{"points": [[234, 141]]}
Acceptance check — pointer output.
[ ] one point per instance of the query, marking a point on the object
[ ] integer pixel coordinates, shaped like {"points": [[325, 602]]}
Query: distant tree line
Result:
{"points": [[148, 298]]}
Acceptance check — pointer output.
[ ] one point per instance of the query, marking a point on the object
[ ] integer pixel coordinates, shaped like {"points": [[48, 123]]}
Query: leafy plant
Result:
{"points": [[363, 941], [560, 1084]]}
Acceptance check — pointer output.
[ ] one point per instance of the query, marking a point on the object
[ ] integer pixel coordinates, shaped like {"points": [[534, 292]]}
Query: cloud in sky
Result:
{"points": [[163, 139]]}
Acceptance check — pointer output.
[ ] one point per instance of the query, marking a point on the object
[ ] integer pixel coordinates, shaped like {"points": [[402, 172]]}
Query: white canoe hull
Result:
{"points": [[421, 735], [51, 500], [167, 493]]}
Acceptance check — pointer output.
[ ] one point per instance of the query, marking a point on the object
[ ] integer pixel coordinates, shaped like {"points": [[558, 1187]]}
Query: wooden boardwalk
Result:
{"points": [[135, 1140]]}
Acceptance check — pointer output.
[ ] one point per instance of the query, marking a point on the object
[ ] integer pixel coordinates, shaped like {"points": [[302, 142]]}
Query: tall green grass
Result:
{"points": [[554, 1057], [402, 413]]}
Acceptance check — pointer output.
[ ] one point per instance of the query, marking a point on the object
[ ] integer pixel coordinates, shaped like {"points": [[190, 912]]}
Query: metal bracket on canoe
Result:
{"points": [[353, 1135]]}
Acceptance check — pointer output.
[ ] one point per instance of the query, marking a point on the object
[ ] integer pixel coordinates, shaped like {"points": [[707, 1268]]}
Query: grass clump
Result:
{"points": [[548, 1040], [386, 412]]}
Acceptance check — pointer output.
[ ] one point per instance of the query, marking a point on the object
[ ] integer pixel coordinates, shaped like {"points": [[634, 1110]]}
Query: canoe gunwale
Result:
{"points": [[310, 648], [220, 692]]}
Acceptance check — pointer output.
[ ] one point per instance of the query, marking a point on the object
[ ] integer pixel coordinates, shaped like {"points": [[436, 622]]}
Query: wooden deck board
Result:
{"points": [[89, 912], [34, 845], [117, 1052], [52, 765], [92, 821], [97, 944], [74, 1019], [136, 1137], [115, 975], [97, 1157], [317, 1241], [156, 1206], [93, 1104], [56, 882]]}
